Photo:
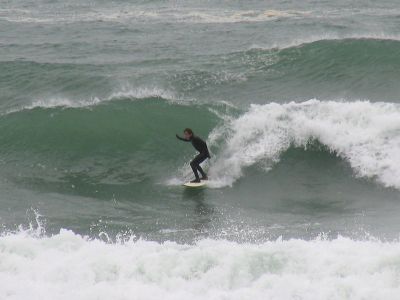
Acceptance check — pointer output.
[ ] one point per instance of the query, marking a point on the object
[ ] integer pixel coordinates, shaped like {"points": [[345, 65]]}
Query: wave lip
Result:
{"points": [[365, 134], [68, 266]]}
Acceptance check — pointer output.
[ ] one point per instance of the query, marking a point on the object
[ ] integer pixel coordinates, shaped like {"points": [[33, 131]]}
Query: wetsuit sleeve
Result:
{"points": [[182, 139]]}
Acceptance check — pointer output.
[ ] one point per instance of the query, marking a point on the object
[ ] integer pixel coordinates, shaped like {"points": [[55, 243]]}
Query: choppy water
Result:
{"points": [[299, 102]]}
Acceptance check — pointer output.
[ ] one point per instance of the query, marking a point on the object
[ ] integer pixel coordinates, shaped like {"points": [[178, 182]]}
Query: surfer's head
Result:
{"points": [[188, 133]]}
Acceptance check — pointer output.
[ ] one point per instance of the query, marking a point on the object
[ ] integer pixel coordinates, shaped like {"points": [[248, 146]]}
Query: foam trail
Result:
{"points": [[68, 266], [366, 134]]}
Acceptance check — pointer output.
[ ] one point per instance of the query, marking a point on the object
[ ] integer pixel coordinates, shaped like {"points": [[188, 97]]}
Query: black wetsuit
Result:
{"points": [[200, 146]]}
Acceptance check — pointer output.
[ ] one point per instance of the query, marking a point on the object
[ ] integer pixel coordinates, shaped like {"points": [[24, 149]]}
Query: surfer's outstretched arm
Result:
{"points": [[182, 139]]}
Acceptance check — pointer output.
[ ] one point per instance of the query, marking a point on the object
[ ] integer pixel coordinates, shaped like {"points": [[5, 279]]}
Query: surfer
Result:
{"points": [[200, 146]]}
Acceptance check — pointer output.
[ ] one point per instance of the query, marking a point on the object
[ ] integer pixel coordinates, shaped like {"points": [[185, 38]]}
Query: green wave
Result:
{"points": [[324, 69], [121, 141]]}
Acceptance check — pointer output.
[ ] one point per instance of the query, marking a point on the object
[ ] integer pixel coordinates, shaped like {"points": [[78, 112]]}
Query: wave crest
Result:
{"points": [[365, 134]]}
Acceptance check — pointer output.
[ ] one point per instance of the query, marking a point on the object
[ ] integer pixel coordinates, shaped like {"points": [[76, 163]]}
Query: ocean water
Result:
{"points": [[299, 102]]}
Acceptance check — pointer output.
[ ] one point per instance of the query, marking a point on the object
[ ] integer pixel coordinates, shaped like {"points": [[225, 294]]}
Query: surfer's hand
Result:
{"points": [[177, 136]]}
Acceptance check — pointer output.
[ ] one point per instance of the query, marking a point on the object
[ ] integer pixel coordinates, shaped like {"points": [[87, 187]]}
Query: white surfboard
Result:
{"points": [[195, 184]]}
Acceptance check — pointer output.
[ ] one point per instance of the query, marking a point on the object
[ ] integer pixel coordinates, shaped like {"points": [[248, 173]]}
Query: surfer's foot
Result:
{"points": [[197, 180], [204, 178]]}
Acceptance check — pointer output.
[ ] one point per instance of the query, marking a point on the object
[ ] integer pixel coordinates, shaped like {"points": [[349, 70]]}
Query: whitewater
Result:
{"points": [[363, 133], [70, 266]]}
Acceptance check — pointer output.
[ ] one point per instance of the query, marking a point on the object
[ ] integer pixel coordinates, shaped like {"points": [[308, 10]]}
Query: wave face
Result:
{"points": [[67, 266], [363, 133], [106, 140]]}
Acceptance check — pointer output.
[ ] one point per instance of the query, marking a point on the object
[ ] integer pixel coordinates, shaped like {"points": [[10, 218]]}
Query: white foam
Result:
{"points": [[129, 13], [144, 92], [62, 102], [68, 266], [365, 134], [174, 181], [238, 16], [125, 13]]}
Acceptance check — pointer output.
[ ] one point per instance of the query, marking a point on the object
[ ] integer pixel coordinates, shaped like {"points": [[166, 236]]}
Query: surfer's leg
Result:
{"points": [[203, 175], [195, 165], [199, 159]]}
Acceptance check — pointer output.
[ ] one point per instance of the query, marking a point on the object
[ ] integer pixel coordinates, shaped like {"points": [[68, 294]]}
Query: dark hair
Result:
{"points": [[188, 130]]}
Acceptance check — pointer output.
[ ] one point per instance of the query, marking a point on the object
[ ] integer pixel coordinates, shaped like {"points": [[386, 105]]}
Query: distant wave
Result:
{"points": [[350, 68], [206, 16], [354, 68], [69, 266], [365, 134], [325, 37], [132, 13], [123, 13], [124, 94]]}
